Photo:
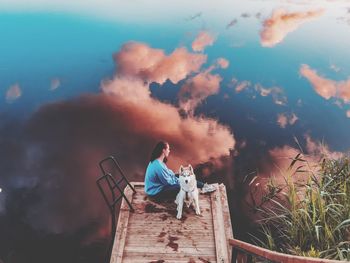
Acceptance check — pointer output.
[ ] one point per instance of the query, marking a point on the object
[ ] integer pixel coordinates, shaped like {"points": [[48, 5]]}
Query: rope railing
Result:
{"points": [[251, 251]]}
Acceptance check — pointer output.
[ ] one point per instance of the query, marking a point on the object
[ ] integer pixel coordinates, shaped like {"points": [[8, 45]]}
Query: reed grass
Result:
{"points": [[310, 219]]}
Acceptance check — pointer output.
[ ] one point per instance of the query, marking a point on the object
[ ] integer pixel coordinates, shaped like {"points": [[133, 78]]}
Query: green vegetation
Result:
{"points": [[311, 218]]}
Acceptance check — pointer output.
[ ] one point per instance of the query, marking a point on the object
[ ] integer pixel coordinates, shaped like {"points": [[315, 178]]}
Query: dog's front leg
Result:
{"points": [[180, 204], [196, 204], [177, 198]]}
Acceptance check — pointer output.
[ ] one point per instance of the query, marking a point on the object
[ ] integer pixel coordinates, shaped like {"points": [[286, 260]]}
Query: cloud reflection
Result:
{"points": [[202, 40], [55, 84], [276, 168], [283, 119], [138, 60], [281, 23], [324, 87], [13, 93], [277, 93]]}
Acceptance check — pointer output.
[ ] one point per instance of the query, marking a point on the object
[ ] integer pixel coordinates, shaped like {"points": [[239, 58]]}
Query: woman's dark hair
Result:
{"points": [[157, 151]]}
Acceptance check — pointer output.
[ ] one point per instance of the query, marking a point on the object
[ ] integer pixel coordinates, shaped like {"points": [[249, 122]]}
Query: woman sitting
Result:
{"points": [[160, 180]]}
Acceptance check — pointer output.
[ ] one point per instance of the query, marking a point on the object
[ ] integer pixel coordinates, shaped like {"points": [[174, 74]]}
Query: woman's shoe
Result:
{"points": [[208, 188]]}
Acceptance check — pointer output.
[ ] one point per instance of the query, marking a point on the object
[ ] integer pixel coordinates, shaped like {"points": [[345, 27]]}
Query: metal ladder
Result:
{"points": [[113, 192]]}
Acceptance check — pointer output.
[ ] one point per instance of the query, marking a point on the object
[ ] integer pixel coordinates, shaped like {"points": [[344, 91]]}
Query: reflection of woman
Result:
{"points": [[159, 179]]}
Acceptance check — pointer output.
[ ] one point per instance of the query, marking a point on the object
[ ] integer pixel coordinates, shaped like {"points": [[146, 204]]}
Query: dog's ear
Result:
{"points": [[181, 169], [191, 169]]}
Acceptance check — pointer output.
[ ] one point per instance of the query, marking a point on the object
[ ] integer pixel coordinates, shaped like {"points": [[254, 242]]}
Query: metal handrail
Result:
{"points": [[115, 191], [112, 183], [116, 163], [251, 251]]}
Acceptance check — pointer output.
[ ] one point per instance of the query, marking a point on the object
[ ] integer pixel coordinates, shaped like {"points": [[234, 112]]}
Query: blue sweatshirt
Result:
{"points": [[157, 176]]}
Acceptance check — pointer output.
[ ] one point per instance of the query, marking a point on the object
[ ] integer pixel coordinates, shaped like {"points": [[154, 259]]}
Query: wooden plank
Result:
{"points": [[188, 259], [162, 254], [165, 218], [227, 219], [170, 231], [120, 235], [188, 217], [219, 228], [146, 249], [204, 199], [171, 258], [207, 228], [142, 195], [180, 244], [188, 223], [168, 204], [153, 211], [147, 207], [162, 240], [184, 230]]}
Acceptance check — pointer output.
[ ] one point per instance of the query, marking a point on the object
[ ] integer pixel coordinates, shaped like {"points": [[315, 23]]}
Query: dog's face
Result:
{"points": [[187, 177]]}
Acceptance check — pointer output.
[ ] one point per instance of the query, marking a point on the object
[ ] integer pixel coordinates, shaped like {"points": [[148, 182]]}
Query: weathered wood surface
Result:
{"points": [[153, 234]]}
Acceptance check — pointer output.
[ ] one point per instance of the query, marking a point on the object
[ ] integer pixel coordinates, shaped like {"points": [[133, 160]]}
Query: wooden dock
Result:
{"points": [[151, 233]]}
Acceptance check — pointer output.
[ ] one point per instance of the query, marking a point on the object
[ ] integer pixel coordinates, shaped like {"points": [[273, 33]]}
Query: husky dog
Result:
{"points": [[188, 190]]}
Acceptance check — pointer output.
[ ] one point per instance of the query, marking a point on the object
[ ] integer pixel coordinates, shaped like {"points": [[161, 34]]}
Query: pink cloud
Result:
{"points": [[202, 40], [136, 62], [223, 63], [162, 120], [284, 119], [281, 23], [276, 168], [326, 88], [130, 89], [242, 86], [131, 95], [320, 149], [13, 93], [153, 65], [197, 88], [281, 157], [277, 93], [293, 119]]}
